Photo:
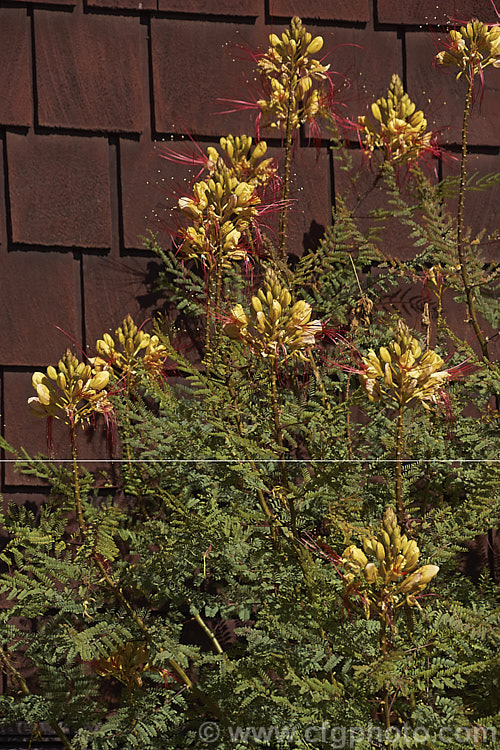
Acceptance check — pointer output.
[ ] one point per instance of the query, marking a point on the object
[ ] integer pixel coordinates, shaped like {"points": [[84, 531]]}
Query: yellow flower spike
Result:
{"points": [[385, 578], [404, 374], [292, 77], [395, 126], [274, 328], [472, 48], [72, 393]]}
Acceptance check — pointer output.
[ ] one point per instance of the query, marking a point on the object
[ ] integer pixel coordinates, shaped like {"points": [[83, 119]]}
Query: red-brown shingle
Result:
{"points": [[443, 96], [40, 291], [15, 70], [194, 64], [431, 12], [59, 190], [89, 71], [333, 10]]}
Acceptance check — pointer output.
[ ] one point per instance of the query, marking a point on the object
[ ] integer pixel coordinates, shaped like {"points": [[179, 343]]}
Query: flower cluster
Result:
{"points": [[247, 164], [384, 573], [126, 665], [274, 327], [72, 392], [294, 80], [471, 49], [135, 348], [403, 373], [223, 206], [395, 126]]}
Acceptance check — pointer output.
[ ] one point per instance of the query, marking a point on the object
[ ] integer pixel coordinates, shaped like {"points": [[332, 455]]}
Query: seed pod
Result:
{"points": [[37, 409]]}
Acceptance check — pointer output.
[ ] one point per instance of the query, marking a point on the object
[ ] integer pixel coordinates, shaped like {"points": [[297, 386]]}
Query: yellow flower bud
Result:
{"points": [[256, 304], [99, 381], [274, 311], [43, 394], [315, 45], [418, 580], [370, 572]]}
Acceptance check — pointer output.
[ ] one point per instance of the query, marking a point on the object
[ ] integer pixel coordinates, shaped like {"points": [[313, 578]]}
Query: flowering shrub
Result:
{"points": [[214, 578]]}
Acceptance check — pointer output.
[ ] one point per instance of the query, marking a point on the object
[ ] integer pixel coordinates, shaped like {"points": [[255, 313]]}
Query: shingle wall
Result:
{"points": [[87, 88]]}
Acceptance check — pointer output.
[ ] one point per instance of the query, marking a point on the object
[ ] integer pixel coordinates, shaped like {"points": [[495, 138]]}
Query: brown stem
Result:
{"points": [[399, 464], [218, 295], [469, 295]]}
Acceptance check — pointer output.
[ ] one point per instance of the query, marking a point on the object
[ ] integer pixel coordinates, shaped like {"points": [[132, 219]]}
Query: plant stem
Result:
{"points": [[383, 649], [286, 171], [262, 500], [319, 380], [76, 480], [399, 464], [348, 419], [460, 228], [208, 348], [181, 674], [117, 592], [279, 440], [210, 634]]}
